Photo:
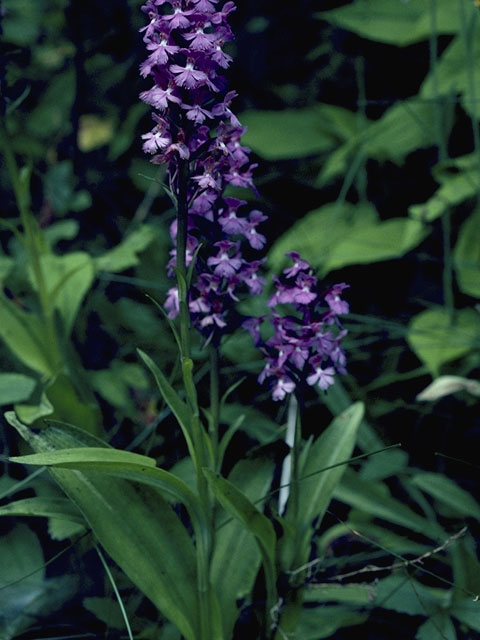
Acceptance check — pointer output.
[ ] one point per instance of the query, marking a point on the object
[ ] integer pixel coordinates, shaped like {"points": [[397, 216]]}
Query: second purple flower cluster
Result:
{"points": [[305, 346]]}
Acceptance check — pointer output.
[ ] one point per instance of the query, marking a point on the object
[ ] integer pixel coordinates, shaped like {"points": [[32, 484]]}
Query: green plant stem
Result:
{"points": [[181, 261], [205, 536], [214, 402], [31, 242]]}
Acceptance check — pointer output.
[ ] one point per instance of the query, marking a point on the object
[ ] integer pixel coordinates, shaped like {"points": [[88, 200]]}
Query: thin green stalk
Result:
{"points": [[214, 401], [181, 258], [447, 277], [116, 591], [203, 538]]}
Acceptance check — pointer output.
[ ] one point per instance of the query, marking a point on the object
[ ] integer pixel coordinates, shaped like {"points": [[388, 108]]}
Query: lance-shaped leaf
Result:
{"points": [[120, 464], [60, 508], [236, 558], [240, 507], [177, 405], [134, 524], [323, 469]]}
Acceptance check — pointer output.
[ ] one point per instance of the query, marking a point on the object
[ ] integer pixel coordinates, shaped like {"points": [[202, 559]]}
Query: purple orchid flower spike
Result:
{"points": [[194, 124]]}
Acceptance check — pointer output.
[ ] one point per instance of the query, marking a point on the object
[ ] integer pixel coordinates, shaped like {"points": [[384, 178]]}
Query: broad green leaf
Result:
{"points": [[236, 557], [468, 612], [309, 238], [454, 189], [394, 22], [355, 236], [24, 334], [177, 405], [295, 133], [60, 508], [69, 278], [404, 127], [125, 255], [448, 493], [403, 594], [134, 524], [15, 387], [436, 337], [453, 71], [466, 567], [322, 622], [318, 483], [466, 256], [25, 591], [437, 627], [376, 242], [374, 499]]}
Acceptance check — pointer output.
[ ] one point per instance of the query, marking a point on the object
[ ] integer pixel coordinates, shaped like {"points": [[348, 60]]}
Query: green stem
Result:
{"points": [[203, 538], [214, 401], [181, 257], [447, 277]]}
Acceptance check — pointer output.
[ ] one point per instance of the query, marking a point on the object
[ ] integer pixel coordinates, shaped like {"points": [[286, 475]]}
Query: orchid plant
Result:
{"points": [[216, 550]]}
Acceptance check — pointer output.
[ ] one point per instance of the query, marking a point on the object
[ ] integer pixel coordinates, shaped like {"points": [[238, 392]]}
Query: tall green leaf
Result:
{"points": [[394, 22], [179, 408], [447, 492], [374, 499], [243, 510], [236, 557], [134, 524], [60, 508]]}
